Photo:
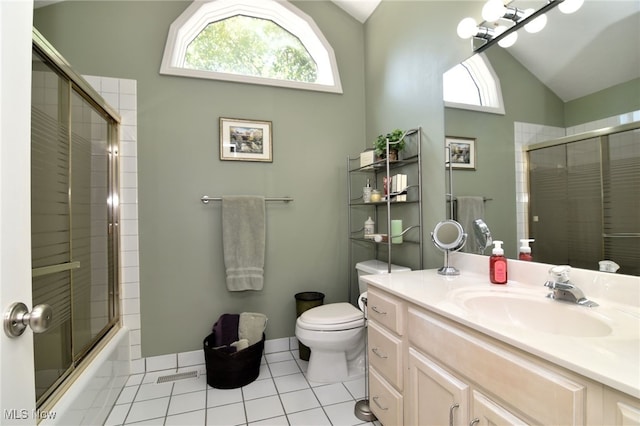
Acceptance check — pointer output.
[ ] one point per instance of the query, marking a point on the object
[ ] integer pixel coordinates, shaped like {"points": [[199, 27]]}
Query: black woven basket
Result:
{"points": [[232, 370]]}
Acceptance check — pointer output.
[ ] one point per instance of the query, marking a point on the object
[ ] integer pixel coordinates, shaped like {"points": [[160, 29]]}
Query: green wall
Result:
{"points": [[397, 59], [182, 286], [619, 99], [409, 45]]}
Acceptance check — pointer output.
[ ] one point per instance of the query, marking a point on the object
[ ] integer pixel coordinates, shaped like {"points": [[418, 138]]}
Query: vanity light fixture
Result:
{"points": [[468, 28], [496, 9], [501, 10], [570, 6]]}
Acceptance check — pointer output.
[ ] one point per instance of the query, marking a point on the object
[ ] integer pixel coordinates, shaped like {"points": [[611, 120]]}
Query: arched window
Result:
{"points": [[473, 85], [267, 42]]}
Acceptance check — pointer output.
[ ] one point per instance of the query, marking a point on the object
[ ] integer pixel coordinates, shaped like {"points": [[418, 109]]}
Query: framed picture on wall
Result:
{"points": [[245, 140], [462, 152]]}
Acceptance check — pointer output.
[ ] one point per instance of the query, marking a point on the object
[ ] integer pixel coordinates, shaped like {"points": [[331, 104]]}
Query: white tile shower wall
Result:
{"points": [[121, 94], [527, 134]]}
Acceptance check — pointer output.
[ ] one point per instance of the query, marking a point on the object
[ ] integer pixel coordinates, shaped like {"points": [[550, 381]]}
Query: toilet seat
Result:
{"points": [[332, 317]]}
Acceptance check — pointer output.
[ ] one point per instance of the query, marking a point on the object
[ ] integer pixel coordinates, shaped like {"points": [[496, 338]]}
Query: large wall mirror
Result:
{"points": [[580, 73]]}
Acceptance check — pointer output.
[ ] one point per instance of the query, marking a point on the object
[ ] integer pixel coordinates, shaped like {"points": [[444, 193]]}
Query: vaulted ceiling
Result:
{"points": [[604, 49]]}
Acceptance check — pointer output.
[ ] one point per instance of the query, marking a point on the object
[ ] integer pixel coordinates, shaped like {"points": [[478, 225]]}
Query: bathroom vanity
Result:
{"points": [[460, 351]]}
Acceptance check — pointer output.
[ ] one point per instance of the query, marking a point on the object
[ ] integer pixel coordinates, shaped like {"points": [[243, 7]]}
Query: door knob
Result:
{"points": [[17, 317]]}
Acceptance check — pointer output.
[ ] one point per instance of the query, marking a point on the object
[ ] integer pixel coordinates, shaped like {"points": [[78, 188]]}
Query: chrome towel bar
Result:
{"points": [[206, 199]]}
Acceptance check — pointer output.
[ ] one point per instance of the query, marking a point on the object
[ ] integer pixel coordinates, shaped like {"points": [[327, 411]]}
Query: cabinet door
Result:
{"points": [[434, 396], [488, 413], [621, 409]]}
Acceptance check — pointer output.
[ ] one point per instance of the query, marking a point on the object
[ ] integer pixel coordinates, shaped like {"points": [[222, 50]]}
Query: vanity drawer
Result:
{"points": [[385, 402], [385, 354], [386, 310]]}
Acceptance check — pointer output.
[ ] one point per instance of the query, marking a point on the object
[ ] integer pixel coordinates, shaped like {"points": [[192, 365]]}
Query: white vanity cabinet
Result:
{"points": [[426, 369]]}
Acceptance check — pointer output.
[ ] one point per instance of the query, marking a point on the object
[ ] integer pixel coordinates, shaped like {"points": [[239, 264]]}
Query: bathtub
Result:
{"points": [[90, 397]]}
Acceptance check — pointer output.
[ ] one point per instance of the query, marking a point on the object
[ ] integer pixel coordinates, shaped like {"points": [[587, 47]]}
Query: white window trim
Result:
{"points": [[200, 13], [488, 84]]}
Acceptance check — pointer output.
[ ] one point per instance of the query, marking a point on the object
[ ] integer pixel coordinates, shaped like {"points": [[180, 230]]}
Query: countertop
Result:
{"points": [[612, 359]]}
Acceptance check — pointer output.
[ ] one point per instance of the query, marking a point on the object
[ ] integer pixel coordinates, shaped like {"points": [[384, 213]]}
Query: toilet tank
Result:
{"points": [[371, 267]]}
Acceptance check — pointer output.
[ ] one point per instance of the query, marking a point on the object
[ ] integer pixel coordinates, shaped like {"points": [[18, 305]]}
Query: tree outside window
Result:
{"points": [[251, 46]]}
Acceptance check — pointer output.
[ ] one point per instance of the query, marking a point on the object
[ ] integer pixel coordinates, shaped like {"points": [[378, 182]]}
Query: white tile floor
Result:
{"points": [[281, 395]]}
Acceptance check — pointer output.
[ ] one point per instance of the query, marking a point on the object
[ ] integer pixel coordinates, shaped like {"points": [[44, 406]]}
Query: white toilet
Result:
{"points": [[335, 333]]}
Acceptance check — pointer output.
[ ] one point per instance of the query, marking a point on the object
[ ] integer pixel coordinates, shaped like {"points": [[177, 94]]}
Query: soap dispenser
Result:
{"points": [[525, 250], [366, 192], [498, 264]]}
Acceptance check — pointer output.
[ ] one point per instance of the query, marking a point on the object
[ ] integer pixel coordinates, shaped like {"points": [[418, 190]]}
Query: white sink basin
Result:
{"points": [[541, 315]]}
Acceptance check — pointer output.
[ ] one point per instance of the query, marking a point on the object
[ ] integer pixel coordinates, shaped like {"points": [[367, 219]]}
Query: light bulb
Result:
{"points": [[493, 10], [570, 6], [509, 40], [467, 28], [537, 24]]}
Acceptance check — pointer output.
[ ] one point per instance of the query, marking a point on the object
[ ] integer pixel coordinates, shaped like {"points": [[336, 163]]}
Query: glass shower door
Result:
{"points": [[72, 219], [50, 221], [584, 201]]}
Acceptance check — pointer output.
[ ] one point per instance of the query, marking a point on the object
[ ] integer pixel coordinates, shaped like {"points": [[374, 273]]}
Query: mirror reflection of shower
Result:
{"points": [[483, 236], [448, 236]]}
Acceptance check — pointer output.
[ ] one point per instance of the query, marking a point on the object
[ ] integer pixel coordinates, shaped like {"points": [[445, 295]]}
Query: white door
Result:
{"points": [[17, 389]]}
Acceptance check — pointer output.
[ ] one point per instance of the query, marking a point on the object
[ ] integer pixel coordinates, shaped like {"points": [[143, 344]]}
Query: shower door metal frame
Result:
{"points": [[78, 85]]}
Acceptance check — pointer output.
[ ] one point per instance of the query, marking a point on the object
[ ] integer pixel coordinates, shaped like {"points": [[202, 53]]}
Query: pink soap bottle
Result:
{"points": [[498, 264]]}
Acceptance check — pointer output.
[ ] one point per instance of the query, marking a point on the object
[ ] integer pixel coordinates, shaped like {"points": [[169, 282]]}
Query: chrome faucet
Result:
{"points": [[562, 289]]}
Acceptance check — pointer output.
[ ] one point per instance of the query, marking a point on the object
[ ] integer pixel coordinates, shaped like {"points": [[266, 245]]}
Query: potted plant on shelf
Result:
{"points": [[396, 144]]}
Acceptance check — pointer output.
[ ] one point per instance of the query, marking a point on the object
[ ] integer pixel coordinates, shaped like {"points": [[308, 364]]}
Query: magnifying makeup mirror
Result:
{"points": [[448, 236]]}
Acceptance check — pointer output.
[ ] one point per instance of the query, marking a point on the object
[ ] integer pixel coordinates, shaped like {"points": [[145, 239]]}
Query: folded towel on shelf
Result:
{"points": [[251, 326], [243, 240], [470, 208]]}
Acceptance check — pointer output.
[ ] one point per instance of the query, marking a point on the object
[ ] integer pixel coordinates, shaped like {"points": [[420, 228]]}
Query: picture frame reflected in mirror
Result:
{"points": [[463, 152]]}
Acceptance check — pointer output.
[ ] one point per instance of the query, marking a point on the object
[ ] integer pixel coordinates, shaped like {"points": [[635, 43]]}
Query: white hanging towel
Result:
{"points": [[243, 240]]}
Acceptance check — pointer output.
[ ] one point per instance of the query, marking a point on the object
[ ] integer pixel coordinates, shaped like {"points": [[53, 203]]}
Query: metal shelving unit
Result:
{"points": [[410, 164]]}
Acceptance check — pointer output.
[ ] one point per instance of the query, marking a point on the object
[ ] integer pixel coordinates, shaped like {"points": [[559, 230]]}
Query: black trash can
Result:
{"points": [[305, 301]]}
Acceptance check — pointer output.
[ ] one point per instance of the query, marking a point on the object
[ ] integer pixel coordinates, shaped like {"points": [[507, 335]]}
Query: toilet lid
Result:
{"points": [[332, 314]]}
